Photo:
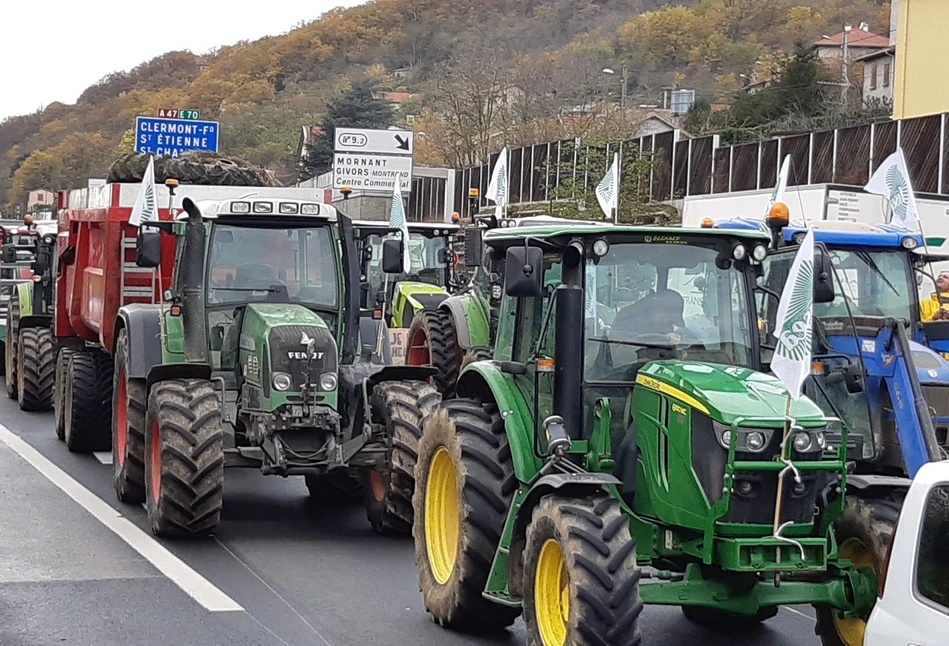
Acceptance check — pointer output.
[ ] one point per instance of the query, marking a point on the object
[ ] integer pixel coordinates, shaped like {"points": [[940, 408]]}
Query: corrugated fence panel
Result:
{"points": [[662, 176], [920, 142], [799, 148], [745, 168], [700, 172], [884, 142], [722, 170], [853, 150], [823, 158], [680, 169], [769, 164]]}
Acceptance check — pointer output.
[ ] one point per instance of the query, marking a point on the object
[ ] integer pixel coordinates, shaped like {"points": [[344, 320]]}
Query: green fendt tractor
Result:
{"points": [[257, 358], [427, 283], [30, 348], [623, 423]]}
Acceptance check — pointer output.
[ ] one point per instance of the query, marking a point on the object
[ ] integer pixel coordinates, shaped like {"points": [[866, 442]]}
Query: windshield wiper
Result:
{"points": [[247, 289], [657, 346], [865, 257]]}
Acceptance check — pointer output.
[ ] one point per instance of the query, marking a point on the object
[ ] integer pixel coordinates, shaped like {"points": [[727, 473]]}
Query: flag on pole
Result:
{"points": [[792, 354], [497, 188], [607, 191], [891, 180], [397, 220], [146, 204], [778, 194]]}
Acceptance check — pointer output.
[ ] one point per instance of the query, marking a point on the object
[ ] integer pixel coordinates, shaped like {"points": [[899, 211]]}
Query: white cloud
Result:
{"points": [[51, 50]]}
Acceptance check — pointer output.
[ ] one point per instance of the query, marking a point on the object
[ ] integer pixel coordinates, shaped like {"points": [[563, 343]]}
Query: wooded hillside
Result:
{"points": [[482, 74]]}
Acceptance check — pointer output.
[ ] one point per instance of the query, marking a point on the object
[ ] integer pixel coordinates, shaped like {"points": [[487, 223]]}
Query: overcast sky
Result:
{"points": [[52, 50]]}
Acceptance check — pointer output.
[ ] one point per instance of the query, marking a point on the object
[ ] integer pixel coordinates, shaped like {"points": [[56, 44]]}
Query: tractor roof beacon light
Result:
{"points": [[778, 217], [346, 191], [708, 223]]}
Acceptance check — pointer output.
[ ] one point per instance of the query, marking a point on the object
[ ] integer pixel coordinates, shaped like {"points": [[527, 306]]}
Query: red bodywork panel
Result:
{"points": [[89, 290]]}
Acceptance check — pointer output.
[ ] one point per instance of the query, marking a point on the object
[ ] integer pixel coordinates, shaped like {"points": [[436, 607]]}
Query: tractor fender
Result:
{"points": [[572, 484], [168, 371], [24, 293], [485, 381], [143, 325], [459, 317], [36, 320], [870, 486], [399, 373]]}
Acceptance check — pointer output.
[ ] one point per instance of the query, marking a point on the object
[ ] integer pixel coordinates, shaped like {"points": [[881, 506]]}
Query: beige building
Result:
{"points": [[878, 69], [40, 198]]}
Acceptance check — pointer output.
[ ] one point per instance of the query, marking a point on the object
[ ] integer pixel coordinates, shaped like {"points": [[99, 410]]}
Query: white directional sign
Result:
{"points": [[371, 172], [380, 142]]}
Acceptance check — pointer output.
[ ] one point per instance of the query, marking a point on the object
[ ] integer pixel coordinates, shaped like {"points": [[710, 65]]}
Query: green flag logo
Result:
{"points": [[794, 338], [899, 192]]}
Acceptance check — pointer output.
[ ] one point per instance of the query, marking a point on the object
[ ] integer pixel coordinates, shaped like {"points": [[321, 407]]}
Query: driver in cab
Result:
{"points": [[654, 316]]}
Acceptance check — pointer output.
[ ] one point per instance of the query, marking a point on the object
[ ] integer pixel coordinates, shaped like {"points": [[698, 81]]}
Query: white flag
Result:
{"points": [[891, 180], [497, 189], [146, 204], [778, 194], [397, 220], [607, 191], [792, 353]]}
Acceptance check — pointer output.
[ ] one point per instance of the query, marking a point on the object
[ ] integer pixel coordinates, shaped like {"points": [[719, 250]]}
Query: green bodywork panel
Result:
{"points": [[24, 295], [404, 297], [476, 316]]}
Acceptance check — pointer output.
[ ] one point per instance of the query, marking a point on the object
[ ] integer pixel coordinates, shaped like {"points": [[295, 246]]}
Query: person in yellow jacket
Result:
{"points": [[936, 308]]}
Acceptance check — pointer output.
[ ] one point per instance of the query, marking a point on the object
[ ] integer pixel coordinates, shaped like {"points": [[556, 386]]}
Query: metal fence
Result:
{"points": [[700, 166]]}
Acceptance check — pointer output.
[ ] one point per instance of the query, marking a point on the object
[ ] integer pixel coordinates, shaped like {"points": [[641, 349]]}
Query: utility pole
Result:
{"points": [[622, 101], [845, 85]]}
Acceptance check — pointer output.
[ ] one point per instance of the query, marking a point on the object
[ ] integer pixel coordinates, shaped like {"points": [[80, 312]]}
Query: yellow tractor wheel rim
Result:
{"points": [[552, 595], [851, 631], [442, 510]]}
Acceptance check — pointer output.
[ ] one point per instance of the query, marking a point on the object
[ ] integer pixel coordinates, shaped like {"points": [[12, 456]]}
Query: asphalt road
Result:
{"points": [[78, 567]]}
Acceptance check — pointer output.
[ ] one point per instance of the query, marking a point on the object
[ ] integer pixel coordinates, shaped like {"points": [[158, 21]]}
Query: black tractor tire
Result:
{"points": [[206, 169], [10, 349], [725, 621], [432, 342], [863, 532], [88, 402], [129, 400], [477, 353], [466, 441], [59, 390], [36, 368], [184, 458], [401, 406], [337, 487], [597, 554]]}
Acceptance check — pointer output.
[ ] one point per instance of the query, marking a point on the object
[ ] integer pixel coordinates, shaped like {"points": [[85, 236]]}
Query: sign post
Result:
{"points": [[371, 160]]}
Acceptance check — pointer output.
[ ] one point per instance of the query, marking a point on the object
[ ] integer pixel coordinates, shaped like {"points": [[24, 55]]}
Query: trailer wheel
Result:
{"points": [[9, 348], [581, 581], [863, 533], [36, 368], [338, 486], [87, 403], [432, 342], [129, 399], [400, 406], [59, 390], [184, 458], [465, 484]]}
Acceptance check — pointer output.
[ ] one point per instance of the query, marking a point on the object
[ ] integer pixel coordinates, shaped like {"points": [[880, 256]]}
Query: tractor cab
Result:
{"points": [[428, 280]]}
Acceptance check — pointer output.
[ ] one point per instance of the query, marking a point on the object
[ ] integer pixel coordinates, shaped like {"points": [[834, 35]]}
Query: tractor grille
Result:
{"points": [[937, 398], [288, 352]]}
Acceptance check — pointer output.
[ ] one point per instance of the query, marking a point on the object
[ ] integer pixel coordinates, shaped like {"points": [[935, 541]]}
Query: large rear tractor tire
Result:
{"points": [[59, 390], [207, 169], [401, 406], [465, 484], [432, 342], [863, 534], [184, 458], [129, 400], [581, 581], [36, 368], [9, 348], [88, 401]]}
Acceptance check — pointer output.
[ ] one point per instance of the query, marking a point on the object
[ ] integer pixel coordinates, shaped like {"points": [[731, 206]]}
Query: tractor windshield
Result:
{"points": [[876, 283], [650, 301], [254, 264], [428, 256]]}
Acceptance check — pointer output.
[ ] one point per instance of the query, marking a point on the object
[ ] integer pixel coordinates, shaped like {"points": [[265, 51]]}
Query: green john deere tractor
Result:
{"points": [[406, 294], [258, 358], [623, 423]]}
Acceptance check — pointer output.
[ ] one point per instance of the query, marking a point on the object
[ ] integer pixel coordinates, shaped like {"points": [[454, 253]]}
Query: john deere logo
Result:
{"points": [[794, 341], [899, 193]]}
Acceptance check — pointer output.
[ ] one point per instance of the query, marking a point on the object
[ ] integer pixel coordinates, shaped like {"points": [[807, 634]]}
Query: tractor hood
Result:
{"points": [[421, 295], [727, 393], [931, 367]]}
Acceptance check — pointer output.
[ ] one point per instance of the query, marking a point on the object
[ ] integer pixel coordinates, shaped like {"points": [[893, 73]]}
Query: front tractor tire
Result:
{"points": [[401, 406], [87, 401], [129, 400], [36, 368], [432, 342], [464, 487], [184, 458], [581, 581], [9, 348], [863, 532]]}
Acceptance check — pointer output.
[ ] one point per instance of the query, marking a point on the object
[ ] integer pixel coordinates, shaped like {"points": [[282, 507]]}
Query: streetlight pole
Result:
{"points": [[845, 86], [622, 101]]}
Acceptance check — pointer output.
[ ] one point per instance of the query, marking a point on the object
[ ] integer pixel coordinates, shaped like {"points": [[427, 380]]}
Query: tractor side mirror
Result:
{"points": [[523, 277], [392, 256], [473, 240], [147, 248], [823, 278], [8, 254], [444, 256]]}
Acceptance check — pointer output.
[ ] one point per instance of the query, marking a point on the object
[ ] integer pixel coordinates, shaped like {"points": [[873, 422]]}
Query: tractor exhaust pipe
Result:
{"points": [[192, 286], [568, 358]]}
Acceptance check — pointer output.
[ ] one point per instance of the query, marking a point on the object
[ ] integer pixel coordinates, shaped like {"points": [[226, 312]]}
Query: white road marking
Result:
{"points": [[181, 574], [798, 612], [105, 457]]}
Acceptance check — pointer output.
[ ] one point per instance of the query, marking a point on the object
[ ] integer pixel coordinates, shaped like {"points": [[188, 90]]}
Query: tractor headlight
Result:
{"points": [[755, 441], [282, 381], [805, 441], [328, 381], [909, 243], [601, 247], [760, 253], [747, 440], [802, 442], [739, 252]]}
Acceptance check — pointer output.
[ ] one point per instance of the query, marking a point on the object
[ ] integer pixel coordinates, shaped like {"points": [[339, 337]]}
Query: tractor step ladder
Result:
{"points": [[138, 283]]}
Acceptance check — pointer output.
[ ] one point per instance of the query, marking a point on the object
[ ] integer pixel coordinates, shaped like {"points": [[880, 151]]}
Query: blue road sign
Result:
{"points": [[174, 136]]}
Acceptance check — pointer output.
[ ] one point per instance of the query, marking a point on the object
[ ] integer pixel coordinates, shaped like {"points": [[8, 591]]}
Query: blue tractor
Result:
{"points": [[876, 365]]}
